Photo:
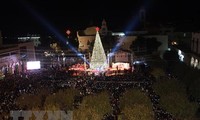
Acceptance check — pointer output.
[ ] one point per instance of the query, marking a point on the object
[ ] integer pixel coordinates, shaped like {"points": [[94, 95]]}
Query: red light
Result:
{"points": [[68, 32], [97, 28]]}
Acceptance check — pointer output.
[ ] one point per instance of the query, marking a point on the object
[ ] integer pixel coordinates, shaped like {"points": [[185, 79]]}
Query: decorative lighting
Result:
{"points": [[98, 59]]}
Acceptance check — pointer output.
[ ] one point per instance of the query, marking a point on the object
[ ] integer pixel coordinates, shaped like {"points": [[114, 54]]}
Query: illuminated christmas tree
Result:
{"points": [[98, 59]]}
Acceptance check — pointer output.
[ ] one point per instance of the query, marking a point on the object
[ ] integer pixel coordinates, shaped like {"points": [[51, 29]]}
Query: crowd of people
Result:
{"points": [[117, 85], [15, 85]]}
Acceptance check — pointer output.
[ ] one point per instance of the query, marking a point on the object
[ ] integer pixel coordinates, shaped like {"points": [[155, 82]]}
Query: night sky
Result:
{"points": [[36, 16]]}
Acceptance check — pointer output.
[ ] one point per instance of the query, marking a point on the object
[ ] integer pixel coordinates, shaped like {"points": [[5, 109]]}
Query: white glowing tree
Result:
{"points": [[98, 59]]}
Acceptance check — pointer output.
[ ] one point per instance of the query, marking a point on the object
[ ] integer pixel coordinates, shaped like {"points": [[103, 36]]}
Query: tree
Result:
{"points": [[145, 44], [138, 43], [152, 44], [98, 59], [171, 57]]}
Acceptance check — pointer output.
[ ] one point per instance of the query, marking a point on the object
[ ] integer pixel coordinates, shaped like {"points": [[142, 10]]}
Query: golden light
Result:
{"points": [[174, 43]]}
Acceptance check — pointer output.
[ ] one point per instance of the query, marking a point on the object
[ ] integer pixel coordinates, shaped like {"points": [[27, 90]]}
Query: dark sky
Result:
{"points": [[35, 16]]}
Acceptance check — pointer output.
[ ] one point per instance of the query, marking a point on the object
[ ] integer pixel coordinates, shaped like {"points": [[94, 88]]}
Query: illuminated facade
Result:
{"points": [[195, 43], [118, 40], [195, 48], [121, 60], [29, 37], [85, 38], [13, 57], [190, 42]]}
